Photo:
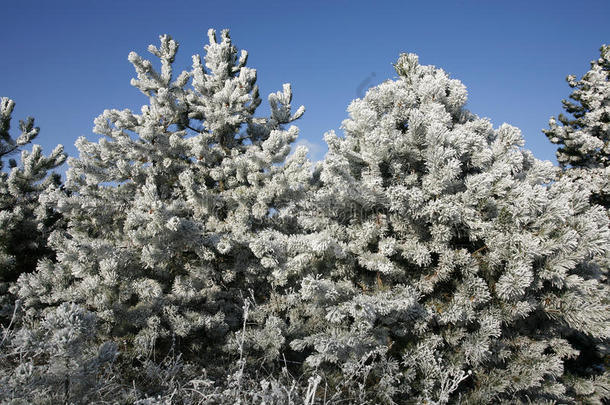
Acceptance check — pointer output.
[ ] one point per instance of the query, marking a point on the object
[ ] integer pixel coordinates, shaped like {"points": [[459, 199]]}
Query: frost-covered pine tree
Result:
{"points": [[584, 151], [444, 262], [161, 211], [24, 223], [584, 135]]}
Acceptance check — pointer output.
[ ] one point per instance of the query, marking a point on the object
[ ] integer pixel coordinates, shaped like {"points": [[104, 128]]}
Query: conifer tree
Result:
{"points": [[583, 135], [162, 210], [443, 262], [24, 223]]}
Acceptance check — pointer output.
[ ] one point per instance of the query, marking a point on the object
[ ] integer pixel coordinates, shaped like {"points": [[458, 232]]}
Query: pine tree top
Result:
{"points": [[583, 135]]}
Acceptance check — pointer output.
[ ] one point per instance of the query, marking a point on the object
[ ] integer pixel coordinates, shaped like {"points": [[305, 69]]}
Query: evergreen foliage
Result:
{"points": [[584, 135], [162, 210], [441, 264], [429, 258], [24, 223]]}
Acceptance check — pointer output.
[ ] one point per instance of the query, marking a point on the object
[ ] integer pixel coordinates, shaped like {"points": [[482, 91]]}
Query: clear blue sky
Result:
{"points": [[64, 62]]}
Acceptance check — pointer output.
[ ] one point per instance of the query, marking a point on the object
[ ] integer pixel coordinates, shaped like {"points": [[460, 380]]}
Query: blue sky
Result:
{"points": [[64, 62]]}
